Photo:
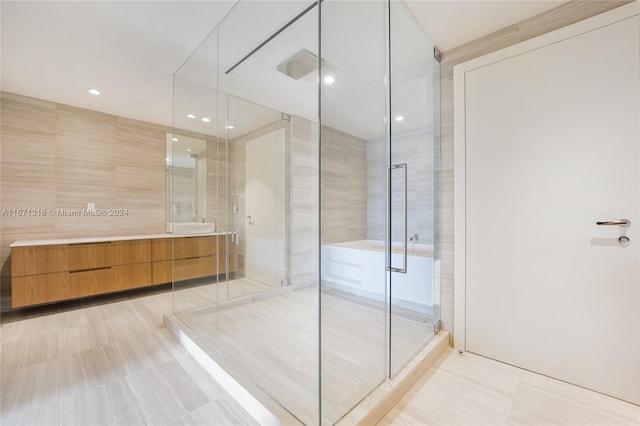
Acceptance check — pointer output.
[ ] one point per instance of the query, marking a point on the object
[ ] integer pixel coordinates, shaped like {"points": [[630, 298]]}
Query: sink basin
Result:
{"points": [[192, 228]]}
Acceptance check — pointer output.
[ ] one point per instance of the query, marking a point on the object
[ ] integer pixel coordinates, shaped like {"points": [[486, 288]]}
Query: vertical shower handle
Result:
{"points": [[390, 267]]}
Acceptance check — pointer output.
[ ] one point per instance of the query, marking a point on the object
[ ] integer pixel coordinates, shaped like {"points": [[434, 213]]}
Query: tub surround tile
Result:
{"points": [[416, 149]]}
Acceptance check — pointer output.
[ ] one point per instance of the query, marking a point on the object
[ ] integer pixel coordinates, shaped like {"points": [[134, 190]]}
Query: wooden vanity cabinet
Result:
{"points": [[51, 273], [193, 257]]}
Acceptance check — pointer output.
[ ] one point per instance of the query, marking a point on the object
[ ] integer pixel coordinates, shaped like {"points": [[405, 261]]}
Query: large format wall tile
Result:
{"points": [[57, 158]]}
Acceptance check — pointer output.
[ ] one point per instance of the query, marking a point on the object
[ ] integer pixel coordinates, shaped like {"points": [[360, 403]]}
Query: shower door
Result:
{"points": [[379, 139], [411, 197]]}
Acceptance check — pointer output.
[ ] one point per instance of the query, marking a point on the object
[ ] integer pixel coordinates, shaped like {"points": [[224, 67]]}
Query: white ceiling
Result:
{"points": [[57, 50]]}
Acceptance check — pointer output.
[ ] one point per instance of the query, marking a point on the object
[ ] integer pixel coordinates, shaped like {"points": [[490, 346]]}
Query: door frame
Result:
{"points": [[459, 97]]}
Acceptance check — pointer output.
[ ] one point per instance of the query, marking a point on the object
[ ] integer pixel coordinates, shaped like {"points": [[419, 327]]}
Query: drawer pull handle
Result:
{"points": [[90, 269]]}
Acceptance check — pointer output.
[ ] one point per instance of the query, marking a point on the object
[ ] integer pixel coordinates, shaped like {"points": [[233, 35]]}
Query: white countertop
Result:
{"points": [[26, 243]]}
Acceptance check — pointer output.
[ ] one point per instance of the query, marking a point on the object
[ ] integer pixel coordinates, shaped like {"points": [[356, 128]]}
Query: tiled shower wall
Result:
{"points": [[344, 187], [553, 19], [344, 181], [415, 149]]}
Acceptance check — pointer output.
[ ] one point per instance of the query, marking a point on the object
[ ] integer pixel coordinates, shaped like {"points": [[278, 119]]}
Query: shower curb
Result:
{"points": [[377, 404], [257, 404]]}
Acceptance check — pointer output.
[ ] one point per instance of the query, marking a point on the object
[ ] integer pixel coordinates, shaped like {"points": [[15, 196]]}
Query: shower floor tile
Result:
{"points": [[274, 341]]}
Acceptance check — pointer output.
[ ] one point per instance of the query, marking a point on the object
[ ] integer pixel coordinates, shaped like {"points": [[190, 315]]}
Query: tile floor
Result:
{"points": [[115, 363], [469, 389], [111, 364]]}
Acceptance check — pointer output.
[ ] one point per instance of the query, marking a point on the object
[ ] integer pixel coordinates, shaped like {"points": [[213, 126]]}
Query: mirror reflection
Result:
{"points": [[186, 179]]}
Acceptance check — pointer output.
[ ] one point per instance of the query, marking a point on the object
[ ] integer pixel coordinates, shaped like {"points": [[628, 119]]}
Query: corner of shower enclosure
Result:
{"points": [[321, 153]]}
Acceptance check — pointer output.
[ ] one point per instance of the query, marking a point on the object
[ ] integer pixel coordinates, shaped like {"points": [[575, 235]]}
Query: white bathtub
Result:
{"points": [[358, 267]]}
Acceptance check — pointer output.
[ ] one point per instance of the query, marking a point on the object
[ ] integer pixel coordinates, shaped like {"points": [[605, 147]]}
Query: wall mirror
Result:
{"points": [[186, 180]]}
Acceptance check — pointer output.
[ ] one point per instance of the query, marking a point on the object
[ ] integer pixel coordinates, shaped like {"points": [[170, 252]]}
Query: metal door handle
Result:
{"points": [[390, 267], [622, 222]]}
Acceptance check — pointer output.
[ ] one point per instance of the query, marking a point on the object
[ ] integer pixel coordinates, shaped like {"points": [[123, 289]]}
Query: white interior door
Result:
{"points": [[552, 147], [265, 207]]}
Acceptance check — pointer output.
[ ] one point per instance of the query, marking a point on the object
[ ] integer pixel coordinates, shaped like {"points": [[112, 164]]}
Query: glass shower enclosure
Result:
{"points": [[320, 122]]}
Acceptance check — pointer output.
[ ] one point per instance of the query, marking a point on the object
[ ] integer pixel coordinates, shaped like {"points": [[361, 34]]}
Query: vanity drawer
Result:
{"points": [[161, 272], [32, 260], [166, 271], [108, 279], [36, 289], [130, 276], [97, 255], [184, 269], [45, 288], [222, 263], [129, 252], [86, 283], [190, 247], [161, 249]]}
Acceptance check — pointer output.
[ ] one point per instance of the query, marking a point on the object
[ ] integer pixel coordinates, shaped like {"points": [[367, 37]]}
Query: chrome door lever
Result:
{"points": [[622, 222]]}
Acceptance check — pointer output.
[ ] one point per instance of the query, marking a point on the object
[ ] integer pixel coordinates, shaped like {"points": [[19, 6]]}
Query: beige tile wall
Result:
{"points": [[56, 156], [304, 202], [414, 148], [344, 187], [553, 19]]}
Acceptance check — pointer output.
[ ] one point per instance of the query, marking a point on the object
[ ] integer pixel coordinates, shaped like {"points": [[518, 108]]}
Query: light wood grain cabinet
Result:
{"points": [[51, 273], [184, 258], [31, 260]]}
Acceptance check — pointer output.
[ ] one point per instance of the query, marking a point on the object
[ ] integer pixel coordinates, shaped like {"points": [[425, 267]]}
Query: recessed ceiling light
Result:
{"points": [[175, 139], [94, 92], [167, 160], [329, 79], [191, 116], [188, 150], [399, 118], [206, 119], [230, 126]]}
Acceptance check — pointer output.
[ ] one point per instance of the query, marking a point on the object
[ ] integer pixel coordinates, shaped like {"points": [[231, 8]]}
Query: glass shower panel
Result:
{"points": [[197, 263], [268, 86], [257, 194], [353, 163], [412, 186]]}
